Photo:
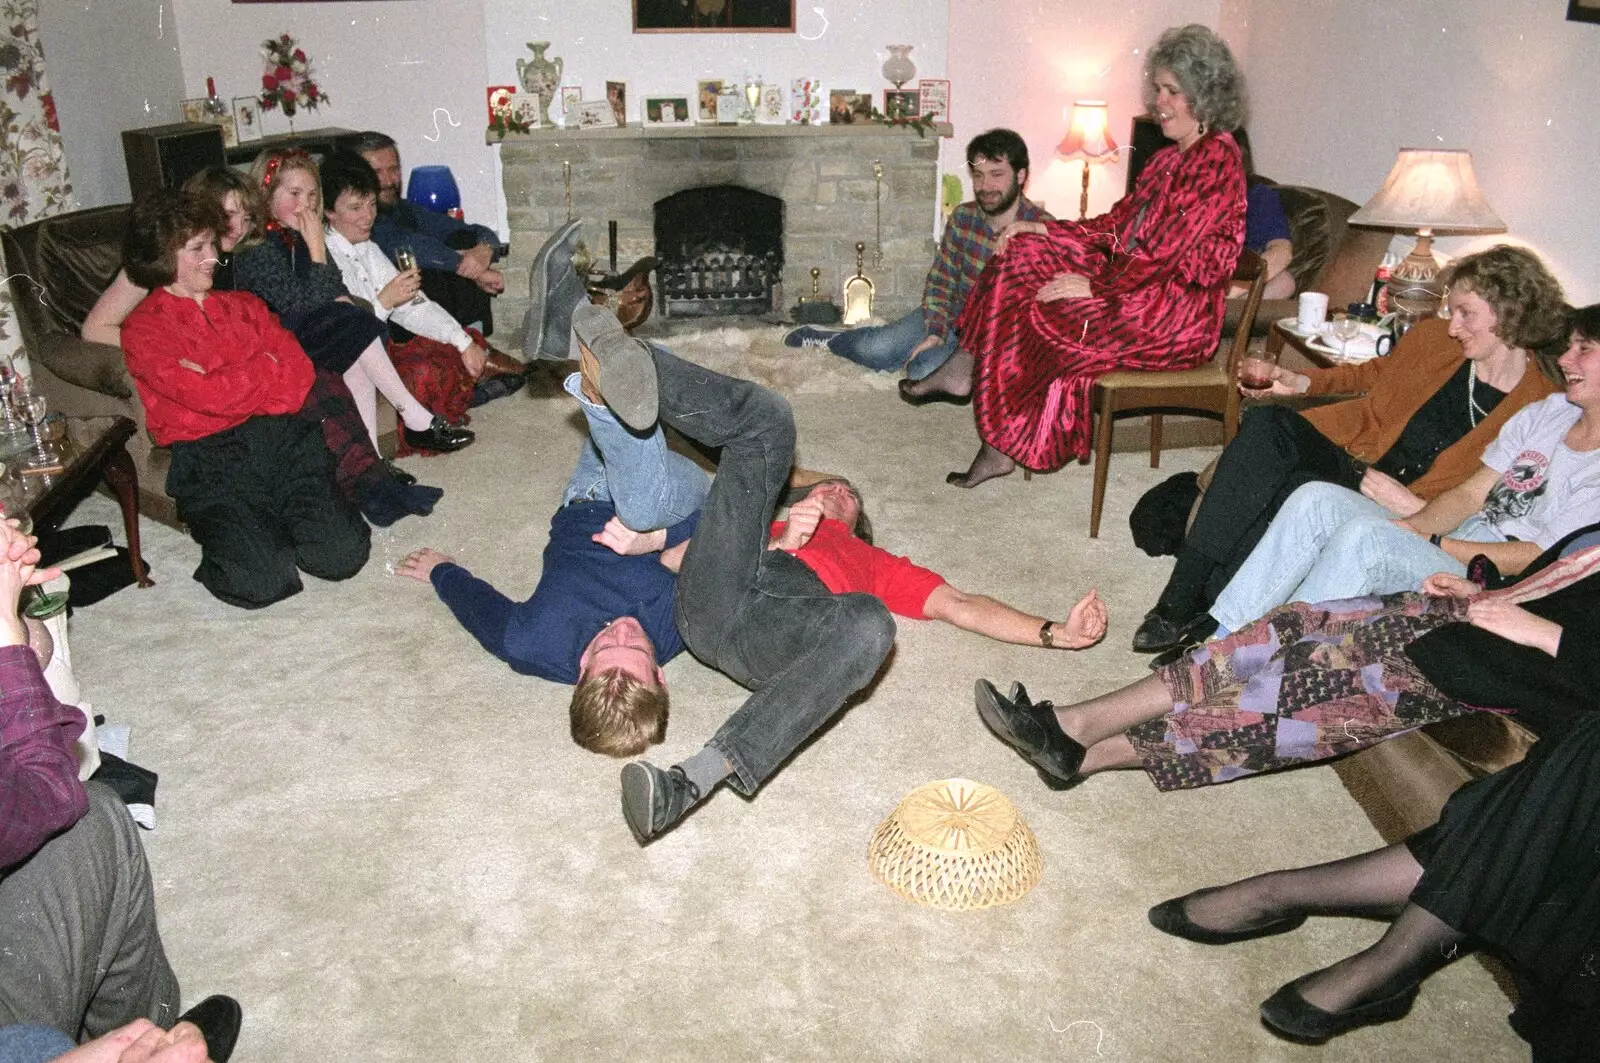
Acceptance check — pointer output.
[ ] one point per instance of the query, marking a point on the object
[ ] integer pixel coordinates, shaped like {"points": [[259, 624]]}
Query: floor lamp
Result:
{"points": [[1087, 139]]}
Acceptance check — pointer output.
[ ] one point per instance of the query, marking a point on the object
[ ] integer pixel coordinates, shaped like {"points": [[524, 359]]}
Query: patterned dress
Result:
{"points": [[1304, 683], [1158, 265]]}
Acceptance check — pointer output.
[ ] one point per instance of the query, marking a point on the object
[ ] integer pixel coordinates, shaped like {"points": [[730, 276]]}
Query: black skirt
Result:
{"points": [[335, 334], [1514, 862]]}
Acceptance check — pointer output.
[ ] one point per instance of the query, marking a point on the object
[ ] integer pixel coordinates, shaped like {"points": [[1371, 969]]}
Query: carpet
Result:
{"points": [[385, 844]]}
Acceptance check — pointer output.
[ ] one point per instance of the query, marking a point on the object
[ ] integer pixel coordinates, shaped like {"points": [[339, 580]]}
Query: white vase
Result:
{"points": [[899, 68]]}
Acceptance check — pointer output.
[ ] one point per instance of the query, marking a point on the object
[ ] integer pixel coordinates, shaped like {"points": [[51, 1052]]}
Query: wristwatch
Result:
{"points": [[1436, 539], [1045, 638]]}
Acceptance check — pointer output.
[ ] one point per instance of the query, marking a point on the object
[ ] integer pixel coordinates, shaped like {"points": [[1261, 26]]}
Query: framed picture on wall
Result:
{"points": [[713, 16], [1583, 11]]}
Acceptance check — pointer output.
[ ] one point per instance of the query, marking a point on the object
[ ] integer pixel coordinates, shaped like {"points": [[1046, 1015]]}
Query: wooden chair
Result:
{"points": [[1211, 388]]}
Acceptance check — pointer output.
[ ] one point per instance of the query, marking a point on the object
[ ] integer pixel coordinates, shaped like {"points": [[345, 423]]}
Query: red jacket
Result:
{"points": [[248, 364]]}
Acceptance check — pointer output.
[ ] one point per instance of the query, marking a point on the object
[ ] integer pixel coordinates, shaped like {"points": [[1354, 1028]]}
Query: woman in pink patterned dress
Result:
{"points": [[1140, 287]]}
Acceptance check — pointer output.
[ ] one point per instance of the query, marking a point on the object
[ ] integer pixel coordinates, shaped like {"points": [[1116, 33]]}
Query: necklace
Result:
{"points": [[1475, 413]]}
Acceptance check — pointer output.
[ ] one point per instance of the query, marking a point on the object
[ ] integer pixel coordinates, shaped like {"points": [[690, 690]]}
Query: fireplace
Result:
{"points": [[720, 249]]}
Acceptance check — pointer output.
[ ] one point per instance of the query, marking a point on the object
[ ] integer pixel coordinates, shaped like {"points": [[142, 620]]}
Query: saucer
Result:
{"points": [[1292, 325]]}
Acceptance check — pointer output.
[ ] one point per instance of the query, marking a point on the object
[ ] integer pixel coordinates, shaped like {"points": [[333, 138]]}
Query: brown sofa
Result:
{"points": [[59, 266]]}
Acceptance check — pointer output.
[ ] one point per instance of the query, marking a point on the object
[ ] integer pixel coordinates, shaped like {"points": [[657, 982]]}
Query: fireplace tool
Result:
{"points": [[816, 309], [858, 293]]}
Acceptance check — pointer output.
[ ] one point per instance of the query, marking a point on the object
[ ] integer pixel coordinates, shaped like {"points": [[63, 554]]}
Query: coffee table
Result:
{"points": [[94, 449]]}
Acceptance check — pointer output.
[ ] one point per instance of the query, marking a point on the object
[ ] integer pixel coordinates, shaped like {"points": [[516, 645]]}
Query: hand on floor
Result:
{"points": [[419, 564], [1086, 624]]}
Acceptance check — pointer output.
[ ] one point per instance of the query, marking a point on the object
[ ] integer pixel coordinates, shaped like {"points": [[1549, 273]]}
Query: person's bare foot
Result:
{"points": [[988, 465]]}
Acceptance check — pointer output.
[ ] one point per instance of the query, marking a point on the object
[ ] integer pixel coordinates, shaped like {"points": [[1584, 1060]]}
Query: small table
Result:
{"points": [[95, 448], [1280, 336]]}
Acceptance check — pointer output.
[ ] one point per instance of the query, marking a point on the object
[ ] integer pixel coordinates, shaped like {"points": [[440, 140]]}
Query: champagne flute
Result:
{"points": [[406, 259]]}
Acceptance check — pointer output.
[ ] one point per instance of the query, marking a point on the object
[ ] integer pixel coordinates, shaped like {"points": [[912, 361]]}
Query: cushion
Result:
{"points": [[95, 366], [1313, 236], [77, 257]]}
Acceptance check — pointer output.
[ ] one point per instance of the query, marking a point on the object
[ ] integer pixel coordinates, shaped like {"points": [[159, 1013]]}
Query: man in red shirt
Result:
{"points": [[223, 384]]}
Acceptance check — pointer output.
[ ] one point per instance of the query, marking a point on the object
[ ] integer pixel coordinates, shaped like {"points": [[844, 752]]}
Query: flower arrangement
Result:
{"points": [[286, 78]]}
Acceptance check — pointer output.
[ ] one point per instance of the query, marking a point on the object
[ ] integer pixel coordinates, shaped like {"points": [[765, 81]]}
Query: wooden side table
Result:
{"points": [[1280, 337], [95, 449]]}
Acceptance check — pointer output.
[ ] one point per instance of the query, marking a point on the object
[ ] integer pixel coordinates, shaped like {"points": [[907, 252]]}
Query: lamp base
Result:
{"points": [[1414, 286]]}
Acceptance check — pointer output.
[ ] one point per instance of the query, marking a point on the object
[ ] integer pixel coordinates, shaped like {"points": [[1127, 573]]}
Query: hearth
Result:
{"points": [[721, 251]]}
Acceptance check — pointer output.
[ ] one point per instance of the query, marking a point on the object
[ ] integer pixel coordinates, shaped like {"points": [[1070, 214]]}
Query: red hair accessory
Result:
{"points": [[270, 174]]}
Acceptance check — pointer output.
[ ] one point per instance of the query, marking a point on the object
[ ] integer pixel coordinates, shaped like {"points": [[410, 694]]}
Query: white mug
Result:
{"points": [[1313, 311]]}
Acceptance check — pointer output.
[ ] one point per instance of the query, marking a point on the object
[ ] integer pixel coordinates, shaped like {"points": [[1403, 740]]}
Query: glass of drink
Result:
{"points": [[1256, 368], [406, 259], [1346, 327]]}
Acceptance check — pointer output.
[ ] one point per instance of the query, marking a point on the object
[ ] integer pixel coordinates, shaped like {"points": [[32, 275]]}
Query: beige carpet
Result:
{"points": [[385, 844]]}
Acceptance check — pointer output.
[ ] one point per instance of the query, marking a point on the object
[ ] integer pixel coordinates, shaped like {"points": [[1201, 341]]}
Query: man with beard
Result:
{"points": [[925, 338], [457, 259]]}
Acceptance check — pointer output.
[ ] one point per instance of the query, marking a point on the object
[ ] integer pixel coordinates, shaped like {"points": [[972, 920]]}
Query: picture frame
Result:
{"points": [[713, 16], [571, 100], [847, 107], [617, 96], [247, 118], [808, 102], [596, 114], [902, 103], [1583, 11], [525, 109], [707, 92], [934, 98], [730, 105], [771, 110], [667, 111], [498, 98]]}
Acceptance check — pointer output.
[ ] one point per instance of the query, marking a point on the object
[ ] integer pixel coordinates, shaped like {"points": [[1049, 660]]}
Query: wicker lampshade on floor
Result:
{"points": [[957, 845]]}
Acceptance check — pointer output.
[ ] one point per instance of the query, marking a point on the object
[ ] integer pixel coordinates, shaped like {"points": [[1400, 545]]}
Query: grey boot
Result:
{"points": [[554, 290]]}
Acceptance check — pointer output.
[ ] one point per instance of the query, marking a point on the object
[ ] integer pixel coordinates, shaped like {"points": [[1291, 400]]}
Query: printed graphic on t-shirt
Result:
{"points": [[1518, 488]]}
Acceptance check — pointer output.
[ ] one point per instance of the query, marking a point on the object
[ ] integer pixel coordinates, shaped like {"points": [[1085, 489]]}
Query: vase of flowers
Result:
{"points": [[286, 81]]}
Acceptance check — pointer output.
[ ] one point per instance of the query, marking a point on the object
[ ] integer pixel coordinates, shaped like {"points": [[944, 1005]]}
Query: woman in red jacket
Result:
{"points": [[223, 385]]}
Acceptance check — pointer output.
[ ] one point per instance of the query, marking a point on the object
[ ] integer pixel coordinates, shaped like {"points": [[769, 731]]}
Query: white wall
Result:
{"points": [[410, 69], [113, 65], [1339, 88], [1021, 63]]}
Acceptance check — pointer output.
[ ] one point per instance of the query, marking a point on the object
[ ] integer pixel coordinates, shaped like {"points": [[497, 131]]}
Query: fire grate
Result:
{"points": [[720, 249]]}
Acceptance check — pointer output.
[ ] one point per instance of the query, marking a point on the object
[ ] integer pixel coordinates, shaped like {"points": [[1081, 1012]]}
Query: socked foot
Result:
{"points": [[952, 381], [989, 464]]}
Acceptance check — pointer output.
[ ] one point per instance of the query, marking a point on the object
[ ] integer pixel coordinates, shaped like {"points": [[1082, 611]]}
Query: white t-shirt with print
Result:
{"points": [[1545, 490]]}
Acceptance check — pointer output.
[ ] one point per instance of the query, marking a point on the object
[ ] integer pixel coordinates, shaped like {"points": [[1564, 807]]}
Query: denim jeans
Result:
{"points": [[1328, 542], [647, 484], [760, 616], [886, 347]]}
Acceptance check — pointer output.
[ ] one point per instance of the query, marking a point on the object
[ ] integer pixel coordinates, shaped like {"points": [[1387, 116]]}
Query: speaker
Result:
{"points": [[165, 156]]}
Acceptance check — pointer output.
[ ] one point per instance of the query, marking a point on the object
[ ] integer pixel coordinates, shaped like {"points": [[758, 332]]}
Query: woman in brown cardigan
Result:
{"points": [[1424, 415]]}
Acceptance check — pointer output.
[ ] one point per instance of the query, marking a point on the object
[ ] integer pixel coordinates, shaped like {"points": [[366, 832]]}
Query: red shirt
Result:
{"points": [[249, 363], [844, 563]]}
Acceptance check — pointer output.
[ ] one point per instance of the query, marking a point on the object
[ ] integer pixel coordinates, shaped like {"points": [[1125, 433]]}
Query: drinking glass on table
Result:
{"points": [[1255, 370], [406, 259], [1346, 327]]}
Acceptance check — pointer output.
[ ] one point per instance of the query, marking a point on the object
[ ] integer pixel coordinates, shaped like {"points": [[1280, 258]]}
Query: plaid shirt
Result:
{"points": [[963, 252], [40, 794]]}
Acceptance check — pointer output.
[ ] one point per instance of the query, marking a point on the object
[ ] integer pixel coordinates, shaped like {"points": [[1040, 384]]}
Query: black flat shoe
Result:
{"points": [[405, 478], [1156, 633], [1169, 917], [933, 396], [1289, 1015], [219, 1018], [440, 435], [1196, 632], [1034, 733]]}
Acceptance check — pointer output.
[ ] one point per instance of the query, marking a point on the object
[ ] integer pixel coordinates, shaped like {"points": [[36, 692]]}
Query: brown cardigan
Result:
{"points": [[1395, 387]]}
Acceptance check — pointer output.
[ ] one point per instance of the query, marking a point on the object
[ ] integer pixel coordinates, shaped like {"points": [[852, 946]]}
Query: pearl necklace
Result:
{"points": [[1475, 413]]}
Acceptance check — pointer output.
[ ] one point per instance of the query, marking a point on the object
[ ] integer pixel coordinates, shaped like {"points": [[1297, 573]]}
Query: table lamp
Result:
{"points": [[433, 187], [1087, 139], [1427, 190]]}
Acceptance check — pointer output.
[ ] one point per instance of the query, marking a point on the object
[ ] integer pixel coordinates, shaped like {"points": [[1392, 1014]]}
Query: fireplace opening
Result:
{"points": [[720, 249]]}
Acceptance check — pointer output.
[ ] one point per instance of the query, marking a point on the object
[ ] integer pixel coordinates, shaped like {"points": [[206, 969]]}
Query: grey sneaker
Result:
{"points": [[554, 289], [624, 372], [653, 801], [810, 336]]}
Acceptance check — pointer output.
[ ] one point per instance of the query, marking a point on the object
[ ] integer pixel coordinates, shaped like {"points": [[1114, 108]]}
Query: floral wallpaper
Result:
{"points": [[33, 171]]}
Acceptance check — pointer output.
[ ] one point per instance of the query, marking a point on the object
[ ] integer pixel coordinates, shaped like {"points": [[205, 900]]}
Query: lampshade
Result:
{"points": [[1433, 190], [1088, 137]]}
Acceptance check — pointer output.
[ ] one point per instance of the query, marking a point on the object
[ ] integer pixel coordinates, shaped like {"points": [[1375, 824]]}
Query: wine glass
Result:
{"points": [[1346, 327], [406, 259], [34, 409]]}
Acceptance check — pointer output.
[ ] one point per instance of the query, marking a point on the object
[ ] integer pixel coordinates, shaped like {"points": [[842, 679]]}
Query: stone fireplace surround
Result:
{"points": [[823, 174]]}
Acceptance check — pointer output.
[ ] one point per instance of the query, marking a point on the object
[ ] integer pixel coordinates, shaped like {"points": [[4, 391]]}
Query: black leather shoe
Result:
{"points": [[1156, 633], [405, 478], [219, 1018], [653, 801], [1289, 1015], [440, 435], [1169, 917], [1033, 732], [1195, 632]]}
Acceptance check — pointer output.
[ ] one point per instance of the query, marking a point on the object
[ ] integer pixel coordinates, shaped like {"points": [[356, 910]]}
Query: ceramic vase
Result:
{"points": [[899, 68], [540, 77]]}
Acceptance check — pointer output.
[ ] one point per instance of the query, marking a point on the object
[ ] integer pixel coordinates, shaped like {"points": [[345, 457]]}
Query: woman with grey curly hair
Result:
{"points": [[1140, 287]]}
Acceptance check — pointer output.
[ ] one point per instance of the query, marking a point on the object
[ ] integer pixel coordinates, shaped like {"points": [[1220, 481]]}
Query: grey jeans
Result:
{"points": [[78, 931], [758, 615]]}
